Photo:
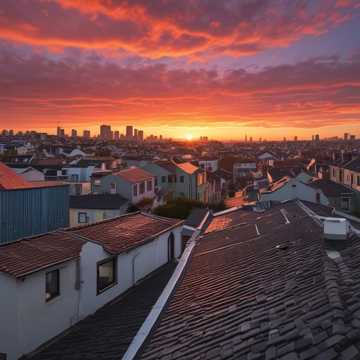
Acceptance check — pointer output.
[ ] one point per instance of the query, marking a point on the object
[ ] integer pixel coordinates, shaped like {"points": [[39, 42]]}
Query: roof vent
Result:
{"points": [[336, 229]]}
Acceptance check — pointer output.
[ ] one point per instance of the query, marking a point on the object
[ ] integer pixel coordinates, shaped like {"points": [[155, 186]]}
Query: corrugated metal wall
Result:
{"points": [[32, 211]]}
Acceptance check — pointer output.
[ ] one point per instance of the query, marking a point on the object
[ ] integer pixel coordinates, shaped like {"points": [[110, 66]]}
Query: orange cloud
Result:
{"points": [[156, 28]]}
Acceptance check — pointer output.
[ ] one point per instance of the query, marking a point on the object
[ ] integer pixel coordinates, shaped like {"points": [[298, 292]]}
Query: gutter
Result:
{"points": [[155, 313]]}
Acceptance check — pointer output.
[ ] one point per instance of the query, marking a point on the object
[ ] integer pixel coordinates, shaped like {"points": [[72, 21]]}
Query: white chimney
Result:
{"points": [[336, 228]]}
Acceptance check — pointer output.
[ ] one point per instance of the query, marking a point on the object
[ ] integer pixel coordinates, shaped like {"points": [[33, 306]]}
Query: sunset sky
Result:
{"points": [[221, 68]]}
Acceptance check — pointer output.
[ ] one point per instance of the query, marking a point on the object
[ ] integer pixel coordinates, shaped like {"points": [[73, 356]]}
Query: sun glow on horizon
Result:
{"points": [[189, 137]]}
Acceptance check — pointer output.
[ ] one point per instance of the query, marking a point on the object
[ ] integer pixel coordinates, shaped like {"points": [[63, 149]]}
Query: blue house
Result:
{"points": [[30, 208]]}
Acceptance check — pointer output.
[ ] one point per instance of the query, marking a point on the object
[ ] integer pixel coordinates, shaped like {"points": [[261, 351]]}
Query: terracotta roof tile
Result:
{"points": [[29, 255], [126, 232], [134, 174]]}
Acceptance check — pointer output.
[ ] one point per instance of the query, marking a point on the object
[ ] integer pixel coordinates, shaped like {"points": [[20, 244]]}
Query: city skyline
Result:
{"points": [[216, 69]]}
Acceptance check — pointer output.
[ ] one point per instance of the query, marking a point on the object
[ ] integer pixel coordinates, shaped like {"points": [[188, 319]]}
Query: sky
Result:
{"points": [[222, 69]]}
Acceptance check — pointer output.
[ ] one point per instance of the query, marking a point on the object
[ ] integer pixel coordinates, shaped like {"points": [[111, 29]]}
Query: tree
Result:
{"points": [[179, 208]]}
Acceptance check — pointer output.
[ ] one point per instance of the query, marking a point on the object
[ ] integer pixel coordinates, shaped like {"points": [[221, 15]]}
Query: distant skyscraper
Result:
{"points": [[129, 131], [86, 134], [250, 139], [105, 132], [116, 135], [317, 137], [346, 136], [60, 132], [141, 135], [352, 137], [295, 138], [136, 134], [74, 133], [245, 138]]}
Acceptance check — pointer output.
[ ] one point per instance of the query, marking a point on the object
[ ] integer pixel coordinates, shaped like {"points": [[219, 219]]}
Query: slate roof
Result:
{"points": [[134, 174], [330, 188], [353, 165], [97, 201], [107, 334], [267, 294], [126, 232], [26, 256], [197, 215]]}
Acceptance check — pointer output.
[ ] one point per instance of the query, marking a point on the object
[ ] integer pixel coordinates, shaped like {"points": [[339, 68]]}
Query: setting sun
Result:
{"points": [[189, 137]]}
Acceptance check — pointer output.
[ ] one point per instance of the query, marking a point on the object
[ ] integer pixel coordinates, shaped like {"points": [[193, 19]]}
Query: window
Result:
{"points": [[149, 185], [135, 190], [106, 274], [82, 218], [52, 284], [182, 179], [163, 179], [170, 179], [156, 181], [345, 203], [142, 187], [112, 188]]}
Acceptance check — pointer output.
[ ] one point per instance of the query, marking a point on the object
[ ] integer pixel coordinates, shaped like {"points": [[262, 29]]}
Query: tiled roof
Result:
{"points": [[126, 232], [196, 217], [272, 295], [187, 167], [10, 180], [97, 201], [107, 334], [330, 188], [167, 165], [134, 174], [29, 255]]}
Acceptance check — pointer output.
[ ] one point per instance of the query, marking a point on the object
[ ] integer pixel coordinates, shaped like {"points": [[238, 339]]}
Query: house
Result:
{"points": [[208, 164], [340, 197], [347, 174], [134, 184], [179, 179], [52, 281], [87, 209], [259, 286], [29, 208], [243, 168]]}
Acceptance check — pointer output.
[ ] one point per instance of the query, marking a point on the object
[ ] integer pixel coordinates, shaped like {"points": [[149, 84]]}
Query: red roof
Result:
{"points": [[10, 180], [32, 254], [126, 232], [134, 174]]}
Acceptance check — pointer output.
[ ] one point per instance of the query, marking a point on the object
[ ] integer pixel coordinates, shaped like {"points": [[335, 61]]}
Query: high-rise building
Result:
{"points": [[116, 135], [250, 139], [136, 134], [129, 132], [346, 136], [60, 132], [245, 138], [140, 135], [73, 133], [352, 137], [295, 138], [317, 137], [86, 134], [105, 132]]}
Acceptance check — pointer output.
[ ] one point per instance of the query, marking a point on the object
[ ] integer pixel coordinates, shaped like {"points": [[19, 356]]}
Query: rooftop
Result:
{"points": [[97, 201], [134, 174], [10, 180], [25, 256], [107, 334], [263, 288], [126, 232]]}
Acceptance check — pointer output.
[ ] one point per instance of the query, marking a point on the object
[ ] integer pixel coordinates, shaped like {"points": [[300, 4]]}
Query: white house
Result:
{"points": [[50, 282], [289, 188]]}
